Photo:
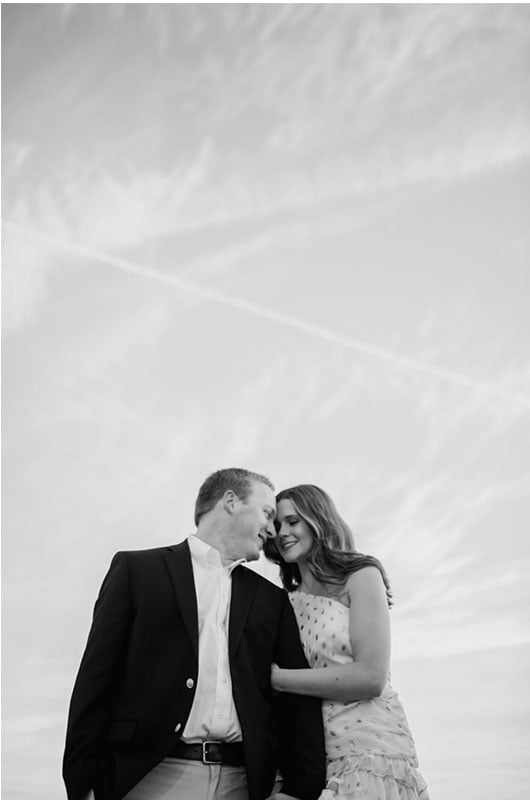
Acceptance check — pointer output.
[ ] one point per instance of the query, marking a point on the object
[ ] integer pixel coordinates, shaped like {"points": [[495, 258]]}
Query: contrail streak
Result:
{"points": [[317, 331]]}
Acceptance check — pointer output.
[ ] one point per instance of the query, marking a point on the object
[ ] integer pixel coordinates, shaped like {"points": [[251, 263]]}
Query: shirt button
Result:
{"points": [[178, 726], [190, 683]]}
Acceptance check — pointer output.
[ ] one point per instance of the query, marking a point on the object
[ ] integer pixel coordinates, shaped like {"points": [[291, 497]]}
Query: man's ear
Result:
{"points": [[229, 501]]}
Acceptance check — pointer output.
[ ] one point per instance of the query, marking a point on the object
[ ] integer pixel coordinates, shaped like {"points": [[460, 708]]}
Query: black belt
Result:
{"points": [[230, 753]]}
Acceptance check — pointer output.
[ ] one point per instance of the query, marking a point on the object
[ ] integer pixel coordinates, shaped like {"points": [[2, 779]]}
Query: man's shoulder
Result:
{"points": [[264, 583], [152, 553]]}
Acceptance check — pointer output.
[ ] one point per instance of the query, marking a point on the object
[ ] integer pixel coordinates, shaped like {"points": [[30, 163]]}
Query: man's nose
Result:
{"points": [[271, 530]]}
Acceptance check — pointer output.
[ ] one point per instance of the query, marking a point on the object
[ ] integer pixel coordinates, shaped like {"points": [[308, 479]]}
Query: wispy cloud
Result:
{"points": [[324, 334], [368, 98]]}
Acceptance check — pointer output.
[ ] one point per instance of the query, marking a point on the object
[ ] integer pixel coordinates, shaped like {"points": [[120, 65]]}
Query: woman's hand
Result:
{"points": [[275, 677], [281, 796]]}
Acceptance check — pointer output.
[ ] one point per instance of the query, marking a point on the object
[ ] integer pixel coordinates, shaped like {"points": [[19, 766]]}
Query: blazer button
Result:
{"points": [[178, 727], [190, 683]]}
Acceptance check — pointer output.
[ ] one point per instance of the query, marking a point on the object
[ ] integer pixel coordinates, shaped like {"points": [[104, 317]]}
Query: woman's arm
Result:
{"points": [[366, 675]]}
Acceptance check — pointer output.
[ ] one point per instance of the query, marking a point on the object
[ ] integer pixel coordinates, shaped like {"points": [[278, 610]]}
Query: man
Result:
{"points": [[173, 697]]}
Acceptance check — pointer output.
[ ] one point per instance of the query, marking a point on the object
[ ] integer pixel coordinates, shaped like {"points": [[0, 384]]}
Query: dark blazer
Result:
{"points": [[131, 698]]}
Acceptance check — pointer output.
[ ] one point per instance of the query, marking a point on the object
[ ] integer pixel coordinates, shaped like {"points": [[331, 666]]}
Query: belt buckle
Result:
{"points": [[205, 759]]}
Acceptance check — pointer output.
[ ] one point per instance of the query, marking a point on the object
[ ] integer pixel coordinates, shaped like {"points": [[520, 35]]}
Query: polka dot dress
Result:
{"points": [[369, 748]]}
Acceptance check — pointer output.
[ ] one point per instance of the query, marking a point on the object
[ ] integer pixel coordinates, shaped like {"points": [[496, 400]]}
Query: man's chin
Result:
{"points": [[254, 554]]}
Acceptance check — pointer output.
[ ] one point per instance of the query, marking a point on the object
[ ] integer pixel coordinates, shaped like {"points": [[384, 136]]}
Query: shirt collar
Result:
{"points": [[208, 556]]}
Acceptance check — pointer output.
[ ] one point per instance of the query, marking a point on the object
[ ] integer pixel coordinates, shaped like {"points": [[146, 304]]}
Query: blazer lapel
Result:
{"points": [[178, 560], [243, 589]]}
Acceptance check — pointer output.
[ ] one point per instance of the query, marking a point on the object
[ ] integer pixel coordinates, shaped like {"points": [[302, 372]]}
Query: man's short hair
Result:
{"points": [[238, 480]]}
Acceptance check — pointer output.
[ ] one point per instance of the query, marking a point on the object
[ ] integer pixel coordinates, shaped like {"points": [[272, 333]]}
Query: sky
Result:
{"points": [[292, 238]]}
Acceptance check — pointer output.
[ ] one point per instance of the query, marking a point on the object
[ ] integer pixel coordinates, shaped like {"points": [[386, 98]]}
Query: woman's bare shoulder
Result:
{"points": [[366, 579]]}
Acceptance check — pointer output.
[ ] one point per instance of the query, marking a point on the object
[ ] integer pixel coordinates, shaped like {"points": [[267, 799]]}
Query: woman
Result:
{"points": [[341, 600]]}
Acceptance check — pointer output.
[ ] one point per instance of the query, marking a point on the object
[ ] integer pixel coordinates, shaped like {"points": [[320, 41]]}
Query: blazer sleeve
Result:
{"points": [[95, 682], [298, 721]]}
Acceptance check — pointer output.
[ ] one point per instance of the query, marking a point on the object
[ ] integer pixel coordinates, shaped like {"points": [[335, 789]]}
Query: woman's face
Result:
{"points": [[294, 538]]}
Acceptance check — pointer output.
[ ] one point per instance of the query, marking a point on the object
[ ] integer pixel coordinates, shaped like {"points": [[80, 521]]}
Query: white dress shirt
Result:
{"points": [[213, 714]]}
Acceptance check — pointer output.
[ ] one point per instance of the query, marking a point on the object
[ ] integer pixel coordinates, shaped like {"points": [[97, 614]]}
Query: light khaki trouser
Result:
{"points": [[182, 779]]}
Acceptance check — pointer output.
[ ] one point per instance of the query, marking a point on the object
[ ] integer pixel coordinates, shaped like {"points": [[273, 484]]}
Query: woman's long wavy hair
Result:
{"points": [[333, 557]]}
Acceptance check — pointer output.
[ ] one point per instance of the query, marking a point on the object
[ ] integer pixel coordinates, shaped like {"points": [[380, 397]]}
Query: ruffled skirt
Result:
{"points": [[373, 777]]}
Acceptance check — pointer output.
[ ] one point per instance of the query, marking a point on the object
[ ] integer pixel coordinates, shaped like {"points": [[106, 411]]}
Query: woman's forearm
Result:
{"points": [[347, 682]]}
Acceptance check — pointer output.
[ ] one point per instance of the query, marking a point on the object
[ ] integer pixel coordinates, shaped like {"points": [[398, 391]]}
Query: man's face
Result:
{"points": [[253, 522]]}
